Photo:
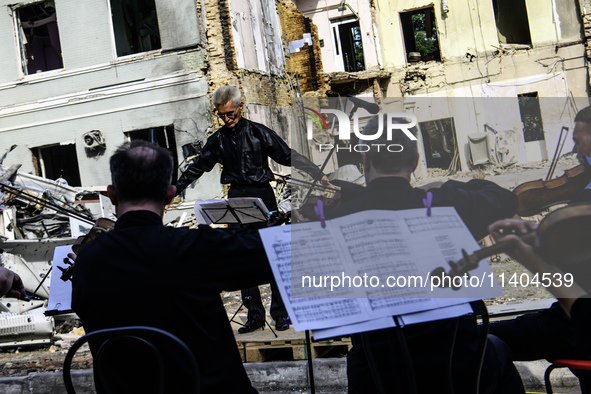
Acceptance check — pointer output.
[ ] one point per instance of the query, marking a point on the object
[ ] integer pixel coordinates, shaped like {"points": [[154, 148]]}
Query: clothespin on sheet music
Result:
{"points": [[427, 202], [319, 209]]}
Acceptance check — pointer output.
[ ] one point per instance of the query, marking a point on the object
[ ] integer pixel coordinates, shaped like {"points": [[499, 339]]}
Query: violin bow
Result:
{"points": [[557, 152]]}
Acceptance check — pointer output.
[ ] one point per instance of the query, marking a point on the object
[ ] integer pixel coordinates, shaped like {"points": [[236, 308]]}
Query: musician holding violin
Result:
{"points": [[376, 363], [144, 273], [564, 330]]}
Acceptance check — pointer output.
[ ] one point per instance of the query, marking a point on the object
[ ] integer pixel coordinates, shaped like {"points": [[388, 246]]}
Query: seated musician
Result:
{"points": [[563, 330], [374, 363], [144, 273]]}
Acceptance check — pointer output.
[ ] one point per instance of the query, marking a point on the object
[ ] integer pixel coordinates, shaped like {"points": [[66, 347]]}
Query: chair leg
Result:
{"points": [[547, 378]]}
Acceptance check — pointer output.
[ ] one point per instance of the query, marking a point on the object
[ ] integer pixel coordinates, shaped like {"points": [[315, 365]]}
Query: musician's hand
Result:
{"points": [[331, 190], [72, 256], [508, 231], [11, 284]]}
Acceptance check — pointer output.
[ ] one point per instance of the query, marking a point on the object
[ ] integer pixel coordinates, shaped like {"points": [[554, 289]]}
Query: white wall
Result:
{"points": [[323, 11]]}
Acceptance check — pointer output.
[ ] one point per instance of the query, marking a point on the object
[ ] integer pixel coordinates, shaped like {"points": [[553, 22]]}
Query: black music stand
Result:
{"points": [[233, 211], [236, 212]]}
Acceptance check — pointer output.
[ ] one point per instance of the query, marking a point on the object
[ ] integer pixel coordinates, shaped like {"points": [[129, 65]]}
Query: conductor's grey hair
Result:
{"points": [[226, 93]]}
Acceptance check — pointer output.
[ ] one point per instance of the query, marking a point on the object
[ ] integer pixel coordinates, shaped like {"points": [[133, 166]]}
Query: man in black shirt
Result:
{"points": [[144, 273], [244, 147], [562, 331], [375, 362]]}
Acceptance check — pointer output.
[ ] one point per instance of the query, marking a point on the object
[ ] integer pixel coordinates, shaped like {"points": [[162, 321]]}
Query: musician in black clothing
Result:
{"points": [[145, 273], [244, 147], [563, 330], [375, 363]]}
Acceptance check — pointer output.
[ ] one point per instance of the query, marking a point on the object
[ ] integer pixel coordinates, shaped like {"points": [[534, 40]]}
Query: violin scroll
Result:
{"points": [[462, 267]]}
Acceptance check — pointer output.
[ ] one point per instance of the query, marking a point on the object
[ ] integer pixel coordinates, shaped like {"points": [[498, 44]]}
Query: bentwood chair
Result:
{"points": [[581, 365], [137, 359]]}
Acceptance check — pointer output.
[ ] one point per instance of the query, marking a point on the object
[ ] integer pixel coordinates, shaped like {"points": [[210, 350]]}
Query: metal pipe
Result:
{"points": [[332, 7]]}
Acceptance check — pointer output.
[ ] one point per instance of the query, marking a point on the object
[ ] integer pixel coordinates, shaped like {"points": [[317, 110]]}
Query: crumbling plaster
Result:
{"points": [[98, 91], [323, 12]]}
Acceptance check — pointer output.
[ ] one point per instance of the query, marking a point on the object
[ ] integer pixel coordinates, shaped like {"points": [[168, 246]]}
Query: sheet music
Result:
{"points": [[388, 322], [60, 292], [374, 245]]}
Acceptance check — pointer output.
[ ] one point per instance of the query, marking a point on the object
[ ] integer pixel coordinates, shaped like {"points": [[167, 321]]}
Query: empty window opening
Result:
{"points": [[348, 45], [420, 35], [512, 22], [440, 143], [39, 37], [162, 136], [57, 161], [135, 25], [531, 116]]}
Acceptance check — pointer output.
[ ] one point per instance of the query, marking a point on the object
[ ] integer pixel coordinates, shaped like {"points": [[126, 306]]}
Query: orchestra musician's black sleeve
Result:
{"points": [[479, 203]]}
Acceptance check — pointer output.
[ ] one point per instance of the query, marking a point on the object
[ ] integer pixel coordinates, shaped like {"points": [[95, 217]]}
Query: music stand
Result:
{"points": [[235, 211]]}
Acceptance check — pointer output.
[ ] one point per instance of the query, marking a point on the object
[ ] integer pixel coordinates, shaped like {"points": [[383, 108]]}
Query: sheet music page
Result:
{"points": [[372, 264], [60, 292], [388, 322]]}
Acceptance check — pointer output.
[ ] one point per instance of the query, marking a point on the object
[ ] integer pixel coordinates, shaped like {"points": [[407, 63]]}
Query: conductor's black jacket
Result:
{"points": [[244, 153]]}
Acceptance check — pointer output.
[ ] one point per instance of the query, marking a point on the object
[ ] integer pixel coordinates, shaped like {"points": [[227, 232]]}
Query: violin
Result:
{"points": [[535, 196], [101, 226], [562, 238]]}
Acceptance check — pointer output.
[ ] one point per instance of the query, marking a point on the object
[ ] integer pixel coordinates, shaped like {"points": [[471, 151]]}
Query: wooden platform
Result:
{"points": [[289, 345]]}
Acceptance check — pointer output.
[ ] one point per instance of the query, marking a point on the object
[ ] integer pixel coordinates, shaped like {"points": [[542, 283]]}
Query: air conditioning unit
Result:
{"points": [[93, 140]]}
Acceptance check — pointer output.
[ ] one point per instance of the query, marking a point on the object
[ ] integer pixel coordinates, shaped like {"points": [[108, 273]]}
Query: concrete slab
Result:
{"points": [[281, 377]]}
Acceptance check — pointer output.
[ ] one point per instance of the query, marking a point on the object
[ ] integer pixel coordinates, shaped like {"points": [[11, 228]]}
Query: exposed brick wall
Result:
{"points": [[307, 63], [274, 91]]}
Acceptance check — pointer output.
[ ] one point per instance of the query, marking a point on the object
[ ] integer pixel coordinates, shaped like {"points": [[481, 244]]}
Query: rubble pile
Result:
{"points": [[36, 216]]}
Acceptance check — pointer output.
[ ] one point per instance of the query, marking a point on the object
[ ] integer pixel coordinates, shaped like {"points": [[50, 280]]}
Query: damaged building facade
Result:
{"points": [[82, 77], [77, 84], [524, 62], [79, 80]]}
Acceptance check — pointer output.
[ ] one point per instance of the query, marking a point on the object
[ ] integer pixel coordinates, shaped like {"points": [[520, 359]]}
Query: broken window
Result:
{"points": [[440, 143], [348, 45], [512, 22], [420, 34], [39, 37], [135, 25], [57, 161], [162, 136], [531, 116]]}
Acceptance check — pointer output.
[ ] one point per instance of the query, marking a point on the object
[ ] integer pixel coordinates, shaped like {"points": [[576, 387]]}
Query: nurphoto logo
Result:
{"points": [[395, 122]]}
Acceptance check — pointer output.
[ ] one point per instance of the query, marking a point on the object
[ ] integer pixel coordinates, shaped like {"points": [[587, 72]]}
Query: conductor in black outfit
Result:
{"points": [[243, 148]]}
